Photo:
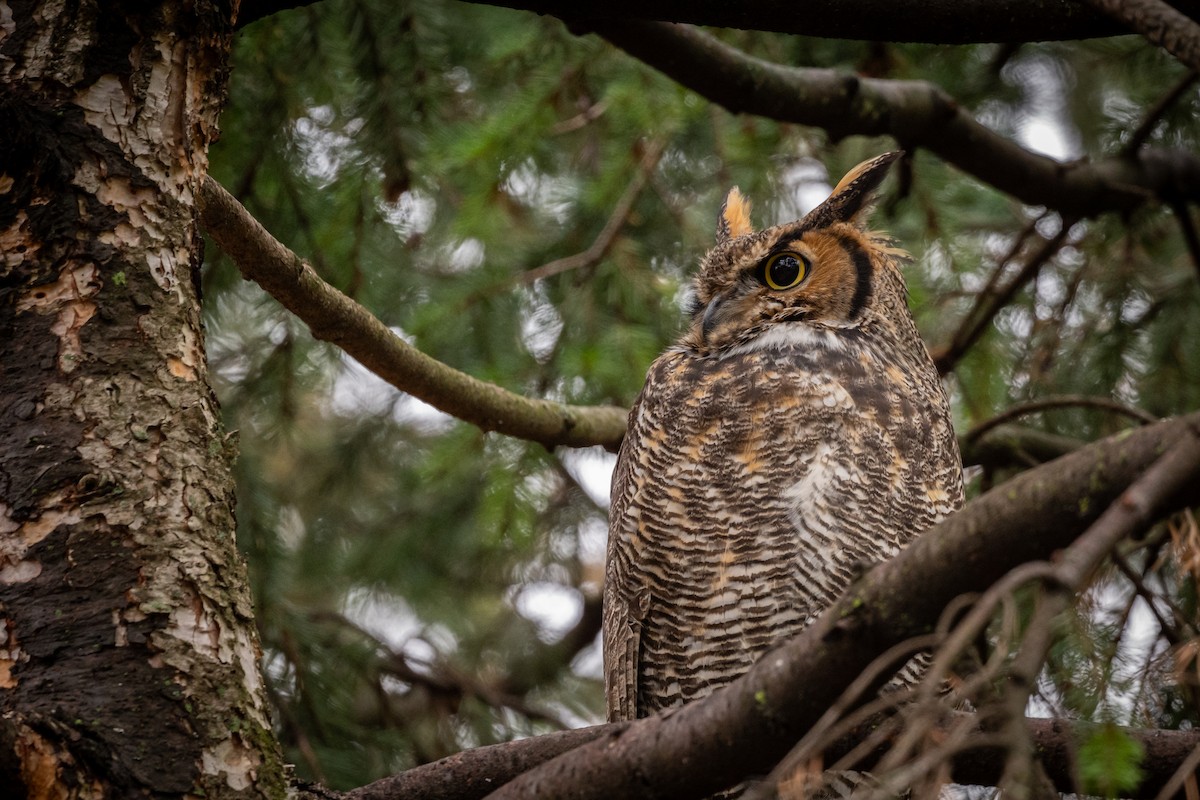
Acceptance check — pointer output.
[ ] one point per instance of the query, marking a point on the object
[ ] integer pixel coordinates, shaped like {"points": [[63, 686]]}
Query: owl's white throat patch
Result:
{"points": [[788, 335]]}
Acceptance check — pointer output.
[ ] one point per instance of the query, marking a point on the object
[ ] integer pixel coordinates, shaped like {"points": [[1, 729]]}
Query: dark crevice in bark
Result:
{"points": [[114, 713]]}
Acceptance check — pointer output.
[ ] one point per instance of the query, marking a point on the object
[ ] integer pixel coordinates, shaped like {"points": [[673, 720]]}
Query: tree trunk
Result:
{"points": [[129, 662]]}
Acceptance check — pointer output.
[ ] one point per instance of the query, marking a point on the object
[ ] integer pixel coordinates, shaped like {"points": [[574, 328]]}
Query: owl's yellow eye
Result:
{"points": [[784, 270]]}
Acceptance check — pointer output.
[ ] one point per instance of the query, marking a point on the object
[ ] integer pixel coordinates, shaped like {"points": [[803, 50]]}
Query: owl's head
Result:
{"points": [[825, 270]]}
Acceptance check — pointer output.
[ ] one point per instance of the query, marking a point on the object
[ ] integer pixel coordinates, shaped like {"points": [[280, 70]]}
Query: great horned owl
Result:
{"points": [[797, 430]]}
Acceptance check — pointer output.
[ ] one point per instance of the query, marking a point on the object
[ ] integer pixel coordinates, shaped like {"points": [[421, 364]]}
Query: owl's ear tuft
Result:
{"points": [[854, 196], [734, 219]]}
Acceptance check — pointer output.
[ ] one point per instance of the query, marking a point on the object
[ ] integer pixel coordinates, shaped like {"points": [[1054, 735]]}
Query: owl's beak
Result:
{"points": [[714, 313]]}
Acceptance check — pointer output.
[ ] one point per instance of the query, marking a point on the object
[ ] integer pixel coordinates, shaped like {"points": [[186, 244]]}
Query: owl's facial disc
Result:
{"points": [[758, 293], [787, 276]]}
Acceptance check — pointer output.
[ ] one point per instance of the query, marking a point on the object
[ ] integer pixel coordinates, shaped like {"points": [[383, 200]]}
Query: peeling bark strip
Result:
{"points": [[128, 654]]}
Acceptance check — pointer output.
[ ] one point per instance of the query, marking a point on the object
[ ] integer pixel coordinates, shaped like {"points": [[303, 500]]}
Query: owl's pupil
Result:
{"points": [[784, 271]]}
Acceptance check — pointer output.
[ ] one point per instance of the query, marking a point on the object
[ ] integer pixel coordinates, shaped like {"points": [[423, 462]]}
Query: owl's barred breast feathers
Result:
{"points": [[797, 431]]}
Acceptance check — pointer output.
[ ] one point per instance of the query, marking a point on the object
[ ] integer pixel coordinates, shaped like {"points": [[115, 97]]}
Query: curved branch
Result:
{"points": [[747, 726], [333, 317], [915, 113], [932, 21], [1060, 401]]}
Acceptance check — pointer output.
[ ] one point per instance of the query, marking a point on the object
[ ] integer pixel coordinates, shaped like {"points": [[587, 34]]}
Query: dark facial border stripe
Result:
{"points": [[863, 272]]}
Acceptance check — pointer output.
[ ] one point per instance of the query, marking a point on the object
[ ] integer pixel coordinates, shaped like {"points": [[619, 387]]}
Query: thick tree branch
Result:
{"points": [[1159, 23], [333, 317], [476, 773], [473, 774], [750, 724], [915, 113], [933, 21]]}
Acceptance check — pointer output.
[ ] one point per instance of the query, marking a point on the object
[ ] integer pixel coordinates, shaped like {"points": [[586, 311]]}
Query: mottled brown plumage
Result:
{"points": [[796, 432]]}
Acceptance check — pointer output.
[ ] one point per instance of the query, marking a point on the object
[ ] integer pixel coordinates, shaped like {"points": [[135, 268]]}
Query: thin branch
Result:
{"points": [[1161, 24], [1027, 231], [834, 722], [333, 317], [1186, 772], [1136, 508], [916, 113], [1188, 229], [580, 120], [977, 321], [1170, 630], [599, 247], [1142, 133], [604, 240], [747, 726], [441, 679], [1060, 401]]}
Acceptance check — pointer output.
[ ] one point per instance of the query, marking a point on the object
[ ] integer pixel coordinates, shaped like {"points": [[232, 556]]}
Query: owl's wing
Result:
{"points": [[622, 648], [622, 618]]}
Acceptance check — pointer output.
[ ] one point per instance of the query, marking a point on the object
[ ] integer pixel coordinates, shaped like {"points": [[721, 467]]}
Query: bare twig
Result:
{"points": [[990, 304], [335, 318], [616, 220], [1059, 401], [441, 678], [835, 723], [1171, 630], [589, 114], [1142, 133], [1136, 508], [1187, 771]]}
